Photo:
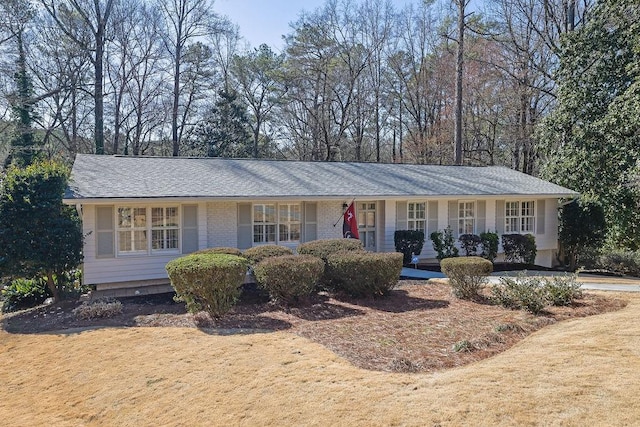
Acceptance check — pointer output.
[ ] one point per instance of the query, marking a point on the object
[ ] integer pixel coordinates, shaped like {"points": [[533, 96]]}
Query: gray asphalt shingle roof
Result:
{"points": [[118, 177]]}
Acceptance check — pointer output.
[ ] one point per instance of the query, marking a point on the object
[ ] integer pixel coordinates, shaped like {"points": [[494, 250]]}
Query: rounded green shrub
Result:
{"points": [[209, 282], [288, 278], [360, 273], [466, 275], [519, 248], [218, 250], [324, 248], [259, 253]]}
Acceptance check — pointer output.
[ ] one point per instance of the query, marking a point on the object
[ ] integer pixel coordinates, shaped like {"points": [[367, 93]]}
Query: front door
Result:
{"points": [[367, 224]]}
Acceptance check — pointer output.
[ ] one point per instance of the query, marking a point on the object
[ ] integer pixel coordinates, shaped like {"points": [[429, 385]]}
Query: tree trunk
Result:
{"points": [[176, 100], [459, 73], [51, 284], [99, 98]]}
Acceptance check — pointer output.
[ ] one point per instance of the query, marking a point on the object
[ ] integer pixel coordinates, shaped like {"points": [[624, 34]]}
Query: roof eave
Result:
{"points": [[205, 198]]}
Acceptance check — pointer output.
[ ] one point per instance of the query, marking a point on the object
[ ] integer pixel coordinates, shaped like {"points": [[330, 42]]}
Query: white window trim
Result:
{"points": [[520, 217], [164, 228], [364, 229], [414, 220], [264, 224], [277, 224], [148, 229], [472, 218], [289, 223]]}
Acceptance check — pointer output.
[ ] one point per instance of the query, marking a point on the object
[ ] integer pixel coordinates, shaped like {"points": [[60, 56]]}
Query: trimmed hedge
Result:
{"points": [[209, 281], [288, 278], [489, 242], [364, 273], [218, 250], [324, 248], [469, 244], [259, 253], [466, 275], [408, 242], [519, 248]]}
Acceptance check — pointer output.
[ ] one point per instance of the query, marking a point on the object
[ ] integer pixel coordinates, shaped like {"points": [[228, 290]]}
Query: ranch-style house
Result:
{"points": [[138, 213]]}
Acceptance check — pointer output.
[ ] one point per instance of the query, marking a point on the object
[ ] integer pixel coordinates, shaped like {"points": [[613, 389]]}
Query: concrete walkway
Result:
{"points": [[629, 285], [412, 273]]}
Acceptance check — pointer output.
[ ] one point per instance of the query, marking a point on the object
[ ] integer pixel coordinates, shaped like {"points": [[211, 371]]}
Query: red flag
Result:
{"points": [[350, 224]]}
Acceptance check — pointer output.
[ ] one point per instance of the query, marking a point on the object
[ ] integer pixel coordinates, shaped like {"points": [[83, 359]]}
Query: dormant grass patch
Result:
{"points": [[575, 372]]}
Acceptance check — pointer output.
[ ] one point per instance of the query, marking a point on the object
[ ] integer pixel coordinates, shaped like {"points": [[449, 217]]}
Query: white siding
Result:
{"points": [[217, 225], [389, 226], [125, 268], [549, 240], [546, 243]]}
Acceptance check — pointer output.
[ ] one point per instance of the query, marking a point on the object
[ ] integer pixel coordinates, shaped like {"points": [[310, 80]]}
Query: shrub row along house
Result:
{"points": [[138, 213]]}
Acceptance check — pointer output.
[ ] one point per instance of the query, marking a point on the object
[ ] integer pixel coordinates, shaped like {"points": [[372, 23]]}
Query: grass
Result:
{"points": [[574, 372]]}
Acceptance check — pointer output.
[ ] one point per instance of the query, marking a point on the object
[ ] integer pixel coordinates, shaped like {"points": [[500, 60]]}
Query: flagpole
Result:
{"points": [[342, 214]]}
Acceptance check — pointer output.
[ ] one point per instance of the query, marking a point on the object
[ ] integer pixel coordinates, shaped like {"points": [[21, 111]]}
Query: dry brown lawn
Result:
{"points": [[574, 372]]}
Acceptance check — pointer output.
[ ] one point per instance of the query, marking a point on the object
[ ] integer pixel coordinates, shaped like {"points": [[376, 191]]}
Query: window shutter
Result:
{"points": [[500, 217], [401, 216], [310, 222], [189, 228], [481, 217], [105, 232], [453, 217], [245, 226], [540, 220], [432, 222]]}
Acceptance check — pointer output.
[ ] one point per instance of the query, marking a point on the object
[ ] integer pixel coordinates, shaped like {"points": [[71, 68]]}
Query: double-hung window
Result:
{"points": [[512, 217], [132, 230], [264, 223], [527, 217], [289, 223], [520, 217], [165, 229], [276, 223], [142, 230], [417, 216], [466, 217]]}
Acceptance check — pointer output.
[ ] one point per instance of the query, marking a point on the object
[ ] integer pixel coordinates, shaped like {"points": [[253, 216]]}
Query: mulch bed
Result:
{"points": [[419, 327]]}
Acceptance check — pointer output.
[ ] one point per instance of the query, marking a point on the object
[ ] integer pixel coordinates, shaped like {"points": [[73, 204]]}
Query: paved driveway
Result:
{"points": [[589, 281]]}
